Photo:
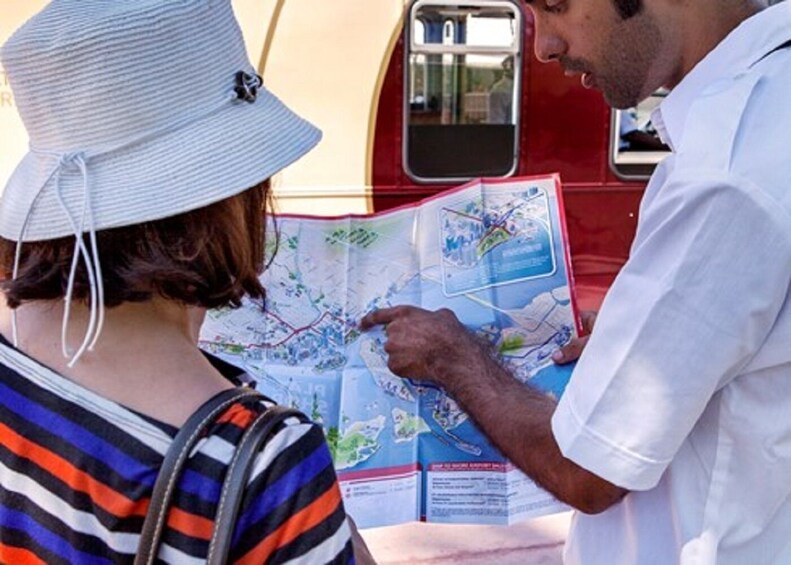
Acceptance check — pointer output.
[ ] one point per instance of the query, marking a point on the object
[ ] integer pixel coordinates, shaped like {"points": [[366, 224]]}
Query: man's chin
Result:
{"points": [[618, 100]]}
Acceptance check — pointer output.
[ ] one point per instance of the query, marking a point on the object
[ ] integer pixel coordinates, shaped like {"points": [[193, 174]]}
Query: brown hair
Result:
{"points": [[208, 257], [626, 8]]}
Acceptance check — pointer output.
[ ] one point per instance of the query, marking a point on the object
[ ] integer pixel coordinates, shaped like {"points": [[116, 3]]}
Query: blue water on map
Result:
{"points": [[437, 446], [510, 275]]}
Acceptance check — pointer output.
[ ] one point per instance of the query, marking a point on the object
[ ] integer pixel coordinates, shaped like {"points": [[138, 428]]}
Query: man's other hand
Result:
{"points": [[573, 349]]}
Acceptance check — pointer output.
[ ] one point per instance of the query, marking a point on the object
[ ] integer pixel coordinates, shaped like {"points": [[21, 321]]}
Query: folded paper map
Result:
{"points": [[494, 252]]}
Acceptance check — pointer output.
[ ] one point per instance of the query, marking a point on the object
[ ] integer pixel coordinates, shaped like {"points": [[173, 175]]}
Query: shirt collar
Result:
{"points": [[751, 41]]}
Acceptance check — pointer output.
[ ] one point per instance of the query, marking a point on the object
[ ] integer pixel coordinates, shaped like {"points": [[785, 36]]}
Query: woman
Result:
{"points": [[139, 206]]}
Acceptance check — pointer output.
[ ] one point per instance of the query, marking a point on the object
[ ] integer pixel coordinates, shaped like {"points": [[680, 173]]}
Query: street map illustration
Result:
{"points": [[491, 251]]}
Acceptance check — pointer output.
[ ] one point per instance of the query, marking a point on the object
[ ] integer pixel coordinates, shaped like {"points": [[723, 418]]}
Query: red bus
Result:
{"points": [[415, 96]]}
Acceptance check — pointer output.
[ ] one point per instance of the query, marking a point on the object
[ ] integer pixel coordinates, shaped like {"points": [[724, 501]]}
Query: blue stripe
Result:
{"points": [[89, 443], [284, 488], [19, 521], [201, 486], [98, 448]]}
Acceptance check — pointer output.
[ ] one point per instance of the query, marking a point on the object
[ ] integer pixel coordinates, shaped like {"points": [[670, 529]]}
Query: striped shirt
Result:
{"points": [[77, 471]]}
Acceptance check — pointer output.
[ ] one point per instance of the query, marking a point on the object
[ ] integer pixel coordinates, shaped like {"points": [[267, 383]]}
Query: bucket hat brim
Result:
{"points": [[207, 160]]}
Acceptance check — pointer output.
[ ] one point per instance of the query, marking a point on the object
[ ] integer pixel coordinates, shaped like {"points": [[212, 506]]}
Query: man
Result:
{"points": [[674, 429], [501, 95]]}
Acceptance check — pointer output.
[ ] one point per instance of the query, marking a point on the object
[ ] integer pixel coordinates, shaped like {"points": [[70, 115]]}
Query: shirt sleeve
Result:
{"points": [[707, 276], [292, 506]]}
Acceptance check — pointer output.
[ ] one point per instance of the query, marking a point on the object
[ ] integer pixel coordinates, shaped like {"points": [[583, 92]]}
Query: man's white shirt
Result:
{"points": [[683, 394]]}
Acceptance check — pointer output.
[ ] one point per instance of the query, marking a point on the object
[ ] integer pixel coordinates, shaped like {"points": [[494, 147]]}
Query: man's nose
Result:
{"points": [[548, 45]]}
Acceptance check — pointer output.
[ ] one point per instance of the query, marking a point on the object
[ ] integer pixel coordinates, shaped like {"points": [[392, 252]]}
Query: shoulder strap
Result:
{"points": [[169, 473], [256, 435]]}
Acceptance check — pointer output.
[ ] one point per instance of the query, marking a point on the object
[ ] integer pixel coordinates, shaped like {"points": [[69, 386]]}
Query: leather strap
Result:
{"points": [[171, 468], [256, 435]]}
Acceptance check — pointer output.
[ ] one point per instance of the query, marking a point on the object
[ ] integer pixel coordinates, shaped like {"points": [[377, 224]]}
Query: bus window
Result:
{"points": [[635, 147], [462, 89]]}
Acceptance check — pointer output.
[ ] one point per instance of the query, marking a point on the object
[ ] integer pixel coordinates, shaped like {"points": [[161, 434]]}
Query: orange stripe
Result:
{"points": [[237, 415], [18, 555], [102, 495], [189, 524], [110, 500], [193, 525], [302, 521]]}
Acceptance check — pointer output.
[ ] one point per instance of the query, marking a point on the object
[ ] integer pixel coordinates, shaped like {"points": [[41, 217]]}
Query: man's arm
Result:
{"points": [[436, 347]]}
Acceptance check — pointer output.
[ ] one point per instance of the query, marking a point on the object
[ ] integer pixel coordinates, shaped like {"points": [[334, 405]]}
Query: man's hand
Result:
{"points": [[435, 346], [418, 340], [573, 349]]}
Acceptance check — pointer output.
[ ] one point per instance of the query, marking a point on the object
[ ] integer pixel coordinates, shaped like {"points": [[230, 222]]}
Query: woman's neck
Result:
{"points": [[145, 358]]}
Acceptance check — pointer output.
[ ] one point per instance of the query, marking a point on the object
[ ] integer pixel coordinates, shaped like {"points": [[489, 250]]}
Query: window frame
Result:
{"points": [[411, 47], [631, 165]]}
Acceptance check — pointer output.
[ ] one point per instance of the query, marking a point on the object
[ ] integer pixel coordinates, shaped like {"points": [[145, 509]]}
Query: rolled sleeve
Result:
{"points": [[599, 455], [708, 274]]}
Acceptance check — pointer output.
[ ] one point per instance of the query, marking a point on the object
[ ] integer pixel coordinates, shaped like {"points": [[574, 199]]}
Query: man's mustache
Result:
{"points": [[574, 65]]}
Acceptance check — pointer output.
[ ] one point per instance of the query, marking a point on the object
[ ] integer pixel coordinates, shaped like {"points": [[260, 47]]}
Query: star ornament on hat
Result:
{"points": [[136, 110]]}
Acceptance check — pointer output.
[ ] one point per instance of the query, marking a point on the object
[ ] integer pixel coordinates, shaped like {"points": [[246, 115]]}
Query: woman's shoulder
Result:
{"points": [[292, 503]]}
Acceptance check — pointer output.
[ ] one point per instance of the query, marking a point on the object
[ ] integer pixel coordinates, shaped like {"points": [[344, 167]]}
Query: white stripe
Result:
{"points": [[127, 422], [328, 549], [115, 414], [76, 520], [284, 439], [216, 448], [220, 450], [170, 554]]}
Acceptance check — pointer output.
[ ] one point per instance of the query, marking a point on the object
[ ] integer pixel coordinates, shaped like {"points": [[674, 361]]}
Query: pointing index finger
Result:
{"points": [[377, 317]]}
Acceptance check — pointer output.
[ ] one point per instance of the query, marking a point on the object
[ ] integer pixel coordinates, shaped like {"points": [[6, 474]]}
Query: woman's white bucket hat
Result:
{"points": [[137, 110]]}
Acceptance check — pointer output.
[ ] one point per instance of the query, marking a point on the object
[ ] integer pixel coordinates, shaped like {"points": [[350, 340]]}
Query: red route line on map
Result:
{"points": [[489, 231], [295, 331]]}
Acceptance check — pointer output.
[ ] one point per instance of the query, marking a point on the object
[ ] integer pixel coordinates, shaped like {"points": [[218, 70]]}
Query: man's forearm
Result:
{"points": [[517, 419], [436, 347]]}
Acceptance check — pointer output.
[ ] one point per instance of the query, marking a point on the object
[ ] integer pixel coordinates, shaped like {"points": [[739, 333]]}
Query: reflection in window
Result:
{"points": [[463, 81], [635, 145]]}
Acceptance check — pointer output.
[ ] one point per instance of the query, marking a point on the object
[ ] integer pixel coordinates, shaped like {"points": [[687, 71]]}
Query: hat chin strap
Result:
{"points": [[92, 264], [89, 256]]}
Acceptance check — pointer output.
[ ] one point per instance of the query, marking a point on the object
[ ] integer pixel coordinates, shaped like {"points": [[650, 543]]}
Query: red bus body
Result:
{"points": [[564, 128]]}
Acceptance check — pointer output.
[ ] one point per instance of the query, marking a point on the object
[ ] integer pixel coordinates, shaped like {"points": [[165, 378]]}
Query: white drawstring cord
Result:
{"points": [[97, 267], [92, 263], [97, 315], [96, 318], [18, 251]]}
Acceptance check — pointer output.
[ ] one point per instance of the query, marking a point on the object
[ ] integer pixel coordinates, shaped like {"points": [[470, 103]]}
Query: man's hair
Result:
{"points": [[626, 8], [208, 257]]}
